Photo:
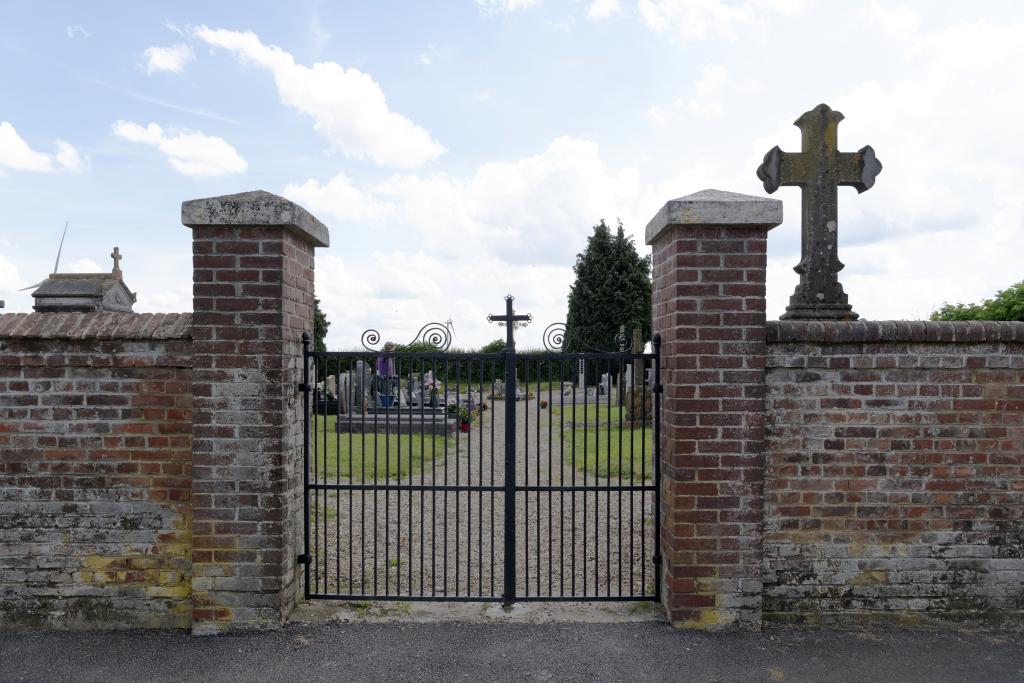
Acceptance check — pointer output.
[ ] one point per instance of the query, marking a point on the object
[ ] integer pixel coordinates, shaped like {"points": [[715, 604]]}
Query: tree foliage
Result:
{"points": [[1007, 304], [612, 288], [320, 325]]}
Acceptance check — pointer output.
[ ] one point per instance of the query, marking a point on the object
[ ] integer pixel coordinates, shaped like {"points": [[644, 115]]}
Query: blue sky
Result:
{"points": [[462, 150]]}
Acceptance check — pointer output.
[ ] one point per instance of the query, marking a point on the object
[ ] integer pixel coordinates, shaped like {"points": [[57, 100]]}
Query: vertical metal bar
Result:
{"points": [[387, 476], [306, 341], [444, 501], [585, 444], [480, 494], [657, 467], [526, 480], [494, 370], [573, 506], [509, 593], [337, 480], [608, 493], [561, 478], [458, 499], [551, 480], [536, 366], [362, 477], [643, 477], [423, 445], [376, 527], [618, 395], [327, 494], [316, 499]]}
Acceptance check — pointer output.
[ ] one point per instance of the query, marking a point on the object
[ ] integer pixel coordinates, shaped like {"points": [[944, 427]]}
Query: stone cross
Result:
{"points": [[116, 255], [511, 320], [818, 169]]}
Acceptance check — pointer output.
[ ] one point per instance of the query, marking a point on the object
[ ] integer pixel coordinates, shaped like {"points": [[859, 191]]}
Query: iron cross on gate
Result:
{"points": [[818, 169], [511, 320]]}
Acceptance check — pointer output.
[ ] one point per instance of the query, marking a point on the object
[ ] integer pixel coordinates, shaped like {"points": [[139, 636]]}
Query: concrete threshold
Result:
{"points": [[376, 612]]}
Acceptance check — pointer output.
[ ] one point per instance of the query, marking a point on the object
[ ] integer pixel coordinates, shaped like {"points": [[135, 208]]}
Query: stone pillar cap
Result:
{"points": [[715, 207], [259, 209]]}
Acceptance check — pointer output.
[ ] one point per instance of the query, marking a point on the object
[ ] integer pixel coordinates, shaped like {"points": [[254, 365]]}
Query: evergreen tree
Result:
{"points": [[612, 288], [320, 325]]}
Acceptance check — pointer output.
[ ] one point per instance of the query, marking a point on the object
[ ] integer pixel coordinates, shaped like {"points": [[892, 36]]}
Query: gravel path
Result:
{"points": [[452, 543]]}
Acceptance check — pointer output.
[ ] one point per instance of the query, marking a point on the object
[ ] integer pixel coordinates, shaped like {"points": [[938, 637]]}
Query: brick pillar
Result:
{"points": [[709, 308], [252, 299]]}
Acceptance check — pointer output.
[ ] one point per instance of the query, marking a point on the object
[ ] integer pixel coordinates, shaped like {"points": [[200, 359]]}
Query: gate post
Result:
{"points": [[708, 301], [252, 290]]}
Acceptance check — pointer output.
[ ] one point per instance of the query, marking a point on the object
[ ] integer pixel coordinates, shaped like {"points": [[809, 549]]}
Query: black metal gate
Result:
{"points": [[432, 475]]}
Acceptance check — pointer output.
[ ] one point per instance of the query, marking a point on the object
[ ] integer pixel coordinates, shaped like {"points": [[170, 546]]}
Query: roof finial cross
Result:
{"points": [[116, 255], [818, 170]]}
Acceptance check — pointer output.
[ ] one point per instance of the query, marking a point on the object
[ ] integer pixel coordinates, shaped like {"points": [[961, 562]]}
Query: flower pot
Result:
{"points": [[387, 401], [463, 426]]}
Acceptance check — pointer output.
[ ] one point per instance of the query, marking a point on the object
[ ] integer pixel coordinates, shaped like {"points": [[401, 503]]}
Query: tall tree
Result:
{"points": [[1007, 304], [612, 288], [320, 325]]}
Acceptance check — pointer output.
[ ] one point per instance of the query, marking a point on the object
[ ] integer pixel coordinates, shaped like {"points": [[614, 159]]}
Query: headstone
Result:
{"points": [[818, 170], [567, 388], [343, 393], [604, 387], [332, 386], [361, 385]]}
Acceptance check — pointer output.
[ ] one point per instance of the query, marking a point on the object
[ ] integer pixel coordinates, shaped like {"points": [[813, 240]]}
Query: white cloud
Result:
{"points": [[16, 154], [537, 209], [466, 239], [899, 20], [70, 158], [498, 6], [189, 153], [339, 198], [173, 58], [347, 106], [602, 9], [10, 283], [692, 20], [76, 31], [84, 265]]}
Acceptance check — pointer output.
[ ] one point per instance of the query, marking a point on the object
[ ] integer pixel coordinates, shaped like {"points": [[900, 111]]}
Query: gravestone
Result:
{"points": [[361, 386], [818, 170], [342, 393]]}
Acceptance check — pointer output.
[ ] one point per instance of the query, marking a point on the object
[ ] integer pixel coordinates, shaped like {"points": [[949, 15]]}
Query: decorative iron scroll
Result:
{"points": [[435, 336], [556, 337]]}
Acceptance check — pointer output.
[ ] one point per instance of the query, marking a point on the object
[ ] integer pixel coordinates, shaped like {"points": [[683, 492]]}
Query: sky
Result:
{"points": [[462, 150]]}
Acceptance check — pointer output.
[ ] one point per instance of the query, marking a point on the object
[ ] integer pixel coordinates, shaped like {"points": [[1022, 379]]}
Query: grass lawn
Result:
{"points": [[595, 455], [595, 413], [357, 450]]}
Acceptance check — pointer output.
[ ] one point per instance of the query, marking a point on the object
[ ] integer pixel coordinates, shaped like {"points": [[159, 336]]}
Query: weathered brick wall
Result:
{"points": [[95, 470], [895, 469]]}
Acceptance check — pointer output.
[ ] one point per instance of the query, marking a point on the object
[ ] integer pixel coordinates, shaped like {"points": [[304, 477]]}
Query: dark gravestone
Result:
{"points": [[818, 170]]}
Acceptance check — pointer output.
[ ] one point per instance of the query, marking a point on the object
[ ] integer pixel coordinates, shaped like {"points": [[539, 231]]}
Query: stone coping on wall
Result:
{"points": [[96, 325], [872, 331]]}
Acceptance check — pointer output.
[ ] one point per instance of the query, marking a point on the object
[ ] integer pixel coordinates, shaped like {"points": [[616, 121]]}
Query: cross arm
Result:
{"points": [[858, 169], [782, 168]]}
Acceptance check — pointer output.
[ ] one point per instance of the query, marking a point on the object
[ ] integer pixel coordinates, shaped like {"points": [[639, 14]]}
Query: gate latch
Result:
{"points": [[302, 559]]}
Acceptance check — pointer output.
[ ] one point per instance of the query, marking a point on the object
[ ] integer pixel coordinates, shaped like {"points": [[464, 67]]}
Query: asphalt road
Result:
{"points": [[569, 652]]}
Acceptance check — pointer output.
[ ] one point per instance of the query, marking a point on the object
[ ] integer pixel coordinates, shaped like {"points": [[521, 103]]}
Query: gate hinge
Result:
{"points": [[304, 387], [302, 559], [659, 388]]}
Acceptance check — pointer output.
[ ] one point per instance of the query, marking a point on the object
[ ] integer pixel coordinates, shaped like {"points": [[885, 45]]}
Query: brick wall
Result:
{"points": [[95, 470], [895, 469]]}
